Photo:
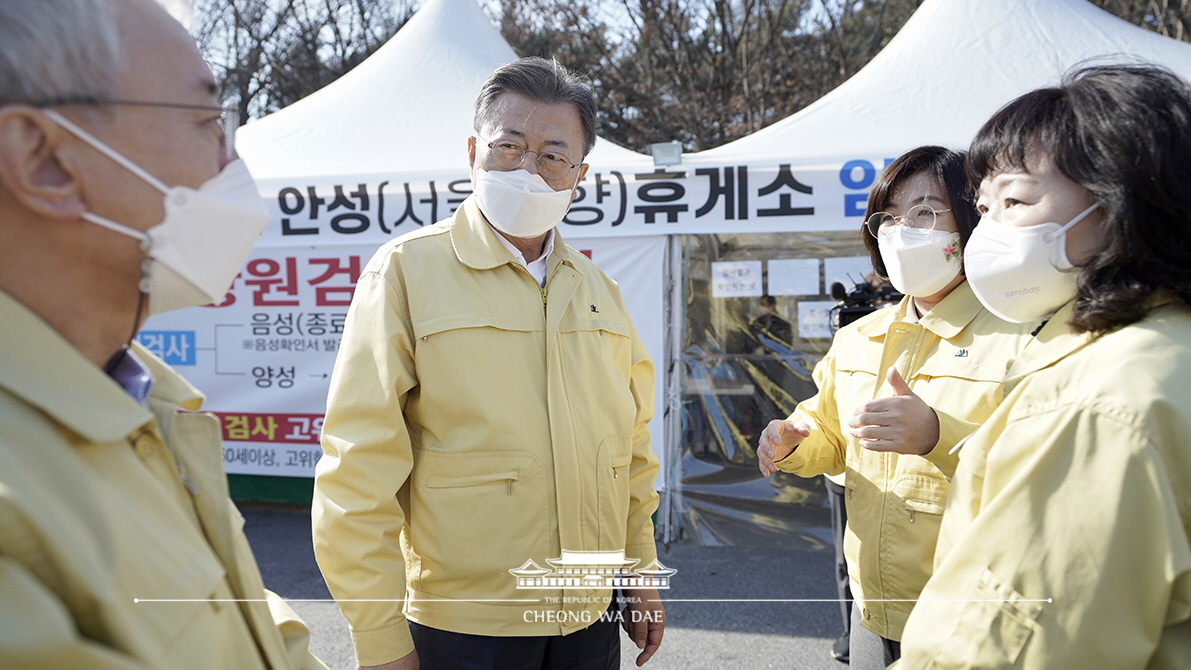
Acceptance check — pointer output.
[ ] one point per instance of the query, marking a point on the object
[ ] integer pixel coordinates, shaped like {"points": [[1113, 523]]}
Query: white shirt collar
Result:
{"points": [[538, 267]]}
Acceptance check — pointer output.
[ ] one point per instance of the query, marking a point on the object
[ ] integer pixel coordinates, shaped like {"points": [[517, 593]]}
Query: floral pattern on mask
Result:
{"points": [[951, 252]]}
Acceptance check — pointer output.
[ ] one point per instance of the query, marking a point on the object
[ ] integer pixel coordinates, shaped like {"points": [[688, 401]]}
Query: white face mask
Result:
{"points": [[1021, 273], [192, 256], [920, 263], [519, 203]]}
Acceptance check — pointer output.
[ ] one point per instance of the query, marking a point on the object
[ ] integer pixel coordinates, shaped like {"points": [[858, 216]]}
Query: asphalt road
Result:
{"points": [[741, 628]]}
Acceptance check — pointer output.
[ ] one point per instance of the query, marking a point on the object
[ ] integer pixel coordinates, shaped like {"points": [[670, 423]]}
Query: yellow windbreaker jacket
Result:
{"points": [[117, 537], [475, 422], [1065, 541], [954, 358]]}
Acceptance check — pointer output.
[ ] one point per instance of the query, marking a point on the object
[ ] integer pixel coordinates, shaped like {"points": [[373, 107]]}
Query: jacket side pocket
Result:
{"points": [[615, 457]]}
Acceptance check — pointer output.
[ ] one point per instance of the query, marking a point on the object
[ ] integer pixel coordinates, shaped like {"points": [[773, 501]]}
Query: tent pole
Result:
{"points": [[671, 500]]}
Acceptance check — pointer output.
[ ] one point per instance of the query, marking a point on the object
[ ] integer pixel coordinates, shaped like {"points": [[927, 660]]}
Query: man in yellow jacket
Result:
{"points": [[119, 547], [489, 408]]}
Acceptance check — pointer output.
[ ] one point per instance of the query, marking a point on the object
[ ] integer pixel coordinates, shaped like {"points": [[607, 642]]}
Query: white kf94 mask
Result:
{"points": [[1021, 273], [920, 263], [520, 203], [192, 256]]}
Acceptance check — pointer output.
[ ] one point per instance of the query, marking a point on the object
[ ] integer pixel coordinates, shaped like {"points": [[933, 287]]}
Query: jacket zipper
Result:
{"points": [[543, 289]]}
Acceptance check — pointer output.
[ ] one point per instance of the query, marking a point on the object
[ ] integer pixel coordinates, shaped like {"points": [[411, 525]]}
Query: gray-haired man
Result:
{"points": [[489, 408], [119, 547]]}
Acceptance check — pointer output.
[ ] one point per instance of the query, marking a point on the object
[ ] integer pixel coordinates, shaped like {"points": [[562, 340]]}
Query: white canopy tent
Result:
{"points": [[952, 65], [405, 109], [381, 151]]}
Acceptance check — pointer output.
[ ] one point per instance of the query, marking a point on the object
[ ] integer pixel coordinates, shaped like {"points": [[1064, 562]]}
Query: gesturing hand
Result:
{"points": [[778, 439], [903, 423]]}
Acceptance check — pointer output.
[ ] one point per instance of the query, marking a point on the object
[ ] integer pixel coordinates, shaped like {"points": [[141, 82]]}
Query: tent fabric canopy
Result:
{"points": [[952, 65], [405, 109]]}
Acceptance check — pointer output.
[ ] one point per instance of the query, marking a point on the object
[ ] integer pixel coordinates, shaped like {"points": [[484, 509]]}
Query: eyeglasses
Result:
{"points": [[509, 156], [919, 217], [229, 117]]}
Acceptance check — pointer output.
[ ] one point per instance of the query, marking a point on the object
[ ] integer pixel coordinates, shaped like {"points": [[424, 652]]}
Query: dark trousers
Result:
{"points": [[596, 647], [839, 521]]}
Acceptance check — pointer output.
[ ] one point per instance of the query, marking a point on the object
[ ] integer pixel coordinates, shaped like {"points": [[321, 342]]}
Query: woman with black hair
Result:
{"points": [[1065, 538], [913, 378]]}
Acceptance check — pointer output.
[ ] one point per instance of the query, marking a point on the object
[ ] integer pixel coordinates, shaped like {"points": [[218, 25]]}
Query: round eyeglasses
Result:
{"points": [[509, 156], [919, 217]]}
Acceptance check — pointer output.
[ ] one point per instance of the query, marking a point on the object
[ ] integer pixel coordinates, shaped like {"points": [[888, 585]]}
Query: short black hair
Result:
{"points": [[541, 80], [946, 166], [1123, 133]]}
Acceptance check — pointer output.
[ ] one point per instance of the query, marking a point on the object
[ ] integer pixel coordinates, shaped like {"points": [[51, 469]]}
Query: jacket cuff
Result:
{"points": [[815, 456], [382, 645], [645, 553], [951, 431]]}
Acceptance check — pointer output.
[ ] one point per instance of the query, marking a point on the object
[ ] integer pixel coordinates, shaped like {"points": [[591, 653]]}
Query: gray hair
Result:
{"points": [[56, 50], [545, 81]]}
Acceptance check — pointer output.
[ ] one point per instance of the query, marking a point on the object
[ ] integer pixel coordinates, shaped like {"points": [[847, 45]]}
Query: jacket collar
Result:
{"points": [[43, 369], [169, 386], [946, 319], [1054, 342], [476, 245]]}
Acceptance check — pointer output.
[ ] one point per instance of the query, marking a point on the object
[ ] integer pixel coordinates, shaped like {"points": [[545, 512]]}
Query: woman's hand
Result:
{"points": [[778, 440], [903, 423]]}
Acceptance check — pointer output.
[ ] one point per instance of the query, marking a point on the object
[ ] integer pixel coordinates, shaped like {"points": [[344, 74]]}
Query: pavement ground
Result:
{"points": [[726, 634]]}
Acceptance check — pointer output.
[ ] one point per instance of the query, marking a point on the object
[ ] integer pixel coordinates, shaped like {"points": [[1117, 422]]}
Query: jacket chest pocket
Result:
{"points": [[175, 578], [465, 361], [596, 362], [600, 336], [966, 367]]}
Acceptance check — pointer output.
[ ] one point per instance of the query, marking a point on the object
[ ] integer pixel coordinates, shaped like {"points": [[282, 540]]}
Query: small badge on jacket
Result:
{"points": [[962, 353]]}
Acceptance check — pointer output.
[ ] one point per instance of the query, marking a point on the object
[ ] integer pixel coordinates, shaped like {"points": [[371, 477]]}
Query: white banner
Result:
{"points": [[264, 356], [688, 198]]}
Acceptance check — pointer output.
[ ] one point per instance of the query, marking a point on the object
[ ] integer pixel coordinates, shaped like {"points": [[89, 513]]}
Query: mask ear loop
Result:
{"points": [[106, 150], [575, 186], [145, 240], [1050, 237]]}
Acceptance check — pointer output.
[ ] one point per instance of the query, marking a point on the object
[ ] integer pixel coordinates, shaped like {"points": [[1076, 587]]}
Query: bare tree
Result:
{"points": [[269, 53], [704, 72], [1171, 18]]}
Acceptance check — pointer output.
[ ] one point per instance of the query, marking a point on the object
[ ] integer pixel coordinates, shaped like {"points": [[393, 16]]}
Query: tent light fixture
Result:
{"points": [[666, 153]]}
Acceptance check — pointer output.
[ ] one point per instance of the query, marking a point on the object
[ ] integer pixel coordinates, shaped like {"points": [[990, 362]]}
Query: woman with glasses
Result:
{"points": [[898, 389], [1066, 539]]}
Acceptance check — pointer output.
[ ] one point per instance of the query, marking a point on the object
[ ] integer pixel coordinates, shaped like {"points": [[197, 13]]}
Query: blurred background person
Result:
{"points": [[915, 378], [1065, 542]]}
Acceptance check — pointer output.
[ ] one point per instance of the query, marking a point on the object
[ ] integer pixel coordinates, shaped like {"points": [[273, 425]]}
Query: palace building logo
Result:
{"points": [[592, 570]]}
